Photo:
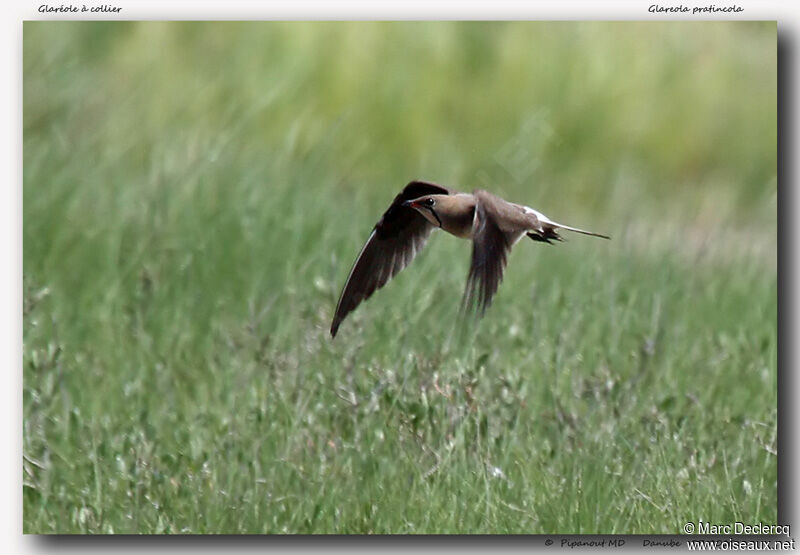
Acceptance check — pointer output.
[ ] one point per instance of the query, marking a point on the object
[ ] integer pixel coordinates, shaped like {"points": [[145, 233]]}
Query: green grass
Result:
{"points": [[194, 196]]}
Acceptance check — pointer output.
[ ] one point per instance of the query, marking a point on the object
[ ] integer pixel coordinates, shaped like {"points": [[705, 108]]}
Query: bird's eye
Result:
{"points": [[429, 202]]}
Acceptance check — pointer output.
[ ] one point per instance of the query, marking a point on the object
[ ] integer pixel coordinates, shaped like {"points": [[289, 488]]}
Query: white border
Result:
{"points": [[785, 12], [411, 10]]}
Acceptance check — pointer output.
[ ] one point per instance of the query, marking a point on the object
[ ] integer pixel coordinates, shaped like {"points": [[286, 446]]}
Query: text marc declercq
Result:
{"points": [[739, 528]]}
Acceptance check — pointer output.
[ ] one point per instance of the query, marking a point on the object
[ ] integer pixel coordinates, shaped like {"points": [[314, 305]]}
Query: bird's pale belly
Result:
{"points": [[465, 232], [462, 232]]}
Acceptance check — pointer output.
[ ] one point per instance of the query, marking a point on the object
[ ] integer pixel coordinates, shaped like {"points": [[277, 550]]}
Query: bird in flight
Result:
{"points": [[493, 224]]}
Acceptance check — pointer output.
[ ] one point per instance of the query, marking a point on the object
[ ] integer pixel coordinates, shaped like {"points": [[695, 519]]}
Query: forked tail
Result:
{"points": [[548, 228], [578, 230]]}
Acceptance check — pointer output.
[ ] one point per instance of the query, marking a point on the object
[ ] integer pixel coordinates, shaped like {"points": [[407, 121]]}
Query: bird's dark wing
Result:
{"points": [[490, 246], [394, 242]]}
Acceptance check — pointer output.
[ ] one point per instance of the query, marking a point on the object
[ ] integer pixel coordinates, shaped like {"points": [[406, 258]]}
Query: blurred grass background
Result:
{"points": [[195, 193]]}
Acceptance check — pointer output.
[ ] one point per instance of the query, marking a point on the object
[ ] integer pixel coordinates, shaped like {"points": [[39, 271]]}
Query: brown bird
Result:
{"points": [[493, 224]]}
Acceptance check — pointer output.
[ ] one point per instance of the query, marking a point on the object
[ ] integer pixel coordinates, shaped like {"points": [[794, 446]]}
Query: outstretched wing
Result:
{"points": [[490, 246], [393, 243]]}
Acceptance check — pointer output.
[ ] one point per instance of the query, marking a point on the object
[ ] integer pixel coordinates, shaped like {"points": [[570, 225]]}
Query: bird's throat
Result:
{"points": [[435, 215]]}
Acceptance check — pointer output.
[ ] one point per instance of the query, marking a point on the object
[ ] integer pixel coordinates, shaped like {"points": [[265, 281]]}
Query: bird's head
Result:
{"points": [[427, 206]]}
